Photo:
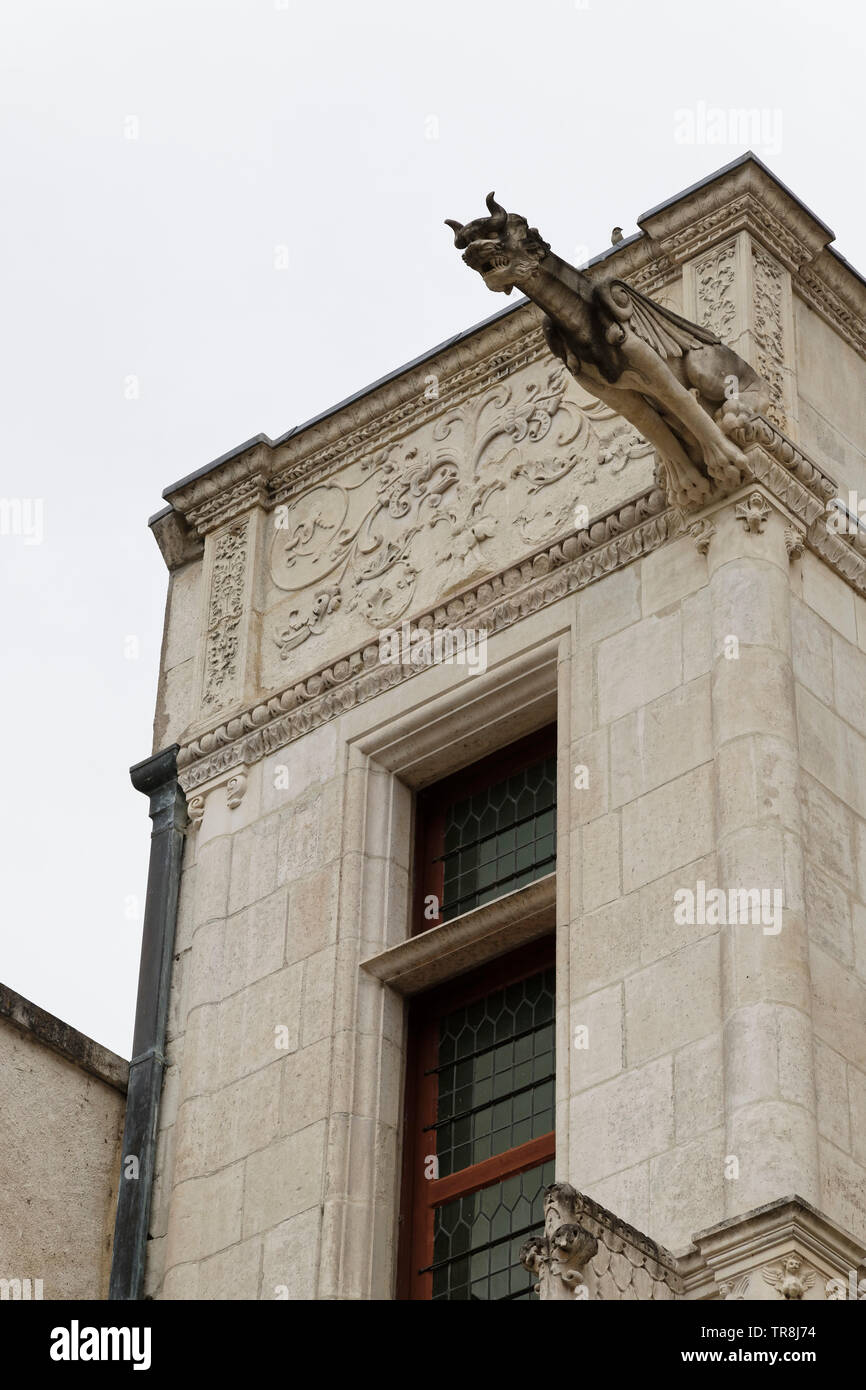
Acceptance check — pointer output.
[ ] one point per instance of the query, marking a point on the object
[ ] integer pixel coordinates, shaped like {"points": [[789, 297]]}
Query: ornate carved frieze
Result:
{"points": [[570, 564], [553, 571], [498, 474]]}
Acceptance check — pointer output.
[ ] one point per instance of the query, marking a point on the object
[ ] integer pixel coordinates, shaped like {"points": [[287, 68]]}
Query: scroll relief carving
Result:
{"points": [[225, 610], [715, 280], [449, 504], [768, 280]]}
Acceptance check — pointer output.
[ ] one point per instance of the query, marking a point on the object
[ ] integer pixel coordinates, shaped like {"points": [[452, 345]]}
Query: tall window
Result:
{"points": [[479, 1129], [480, 1141]]}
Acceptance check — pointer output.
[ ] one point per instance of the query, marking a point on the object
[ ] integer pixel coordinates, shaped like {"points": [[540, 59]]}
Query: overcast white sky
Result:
{"points": [[154, 156]]}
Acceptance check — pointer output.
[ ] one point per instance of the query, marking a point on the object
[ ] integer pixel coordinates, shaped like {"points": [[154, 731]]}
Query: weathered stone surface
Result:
{"points": [[667, 827], [652, 647]]}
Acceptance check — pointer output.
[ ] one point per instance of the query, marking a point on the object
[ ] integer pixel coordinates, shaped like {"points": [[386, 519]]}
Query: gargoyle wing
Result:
{"points": [[667, 333], [773, 1275]]}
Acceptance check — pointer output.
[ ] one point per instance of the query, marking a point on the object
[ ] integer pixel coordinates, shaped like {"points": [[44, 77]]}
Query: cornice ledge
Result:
{"points": [[746, 1239], [839, 296], [435, 955], [746, 196], [551, 573]]}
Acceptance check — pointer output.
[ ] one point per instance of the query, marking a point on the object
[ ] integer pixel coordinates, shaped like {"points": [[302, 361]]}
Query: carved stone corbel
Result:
{"points": [[195, 811], [559, 1257], [795, 542], [236, 788], [753, 512], [702, 533]]}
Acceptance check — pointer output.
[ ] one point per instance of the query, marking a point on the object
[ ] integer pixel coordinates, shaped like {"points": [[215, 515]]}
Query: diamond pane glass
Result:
{"points": [[500, 839], [478, 1238], [496, 1069]]}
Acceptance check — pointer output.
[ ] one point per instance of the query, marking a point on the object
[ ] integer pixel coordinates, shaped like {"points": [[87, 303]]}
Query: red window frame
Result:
{"points": [[420, 1195], [432, 803]]}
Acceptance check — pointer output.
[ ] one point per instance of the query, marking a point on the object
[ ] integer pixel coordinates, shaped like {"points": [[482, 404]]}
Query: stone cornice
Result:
{"points": [[555, 570], [743, 197]]}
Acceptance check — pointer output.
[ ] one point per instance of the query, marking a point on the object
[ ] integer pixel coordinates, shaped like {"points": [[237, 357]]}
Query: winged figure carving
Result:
{"points": [[787, 1279], [681, 387]]}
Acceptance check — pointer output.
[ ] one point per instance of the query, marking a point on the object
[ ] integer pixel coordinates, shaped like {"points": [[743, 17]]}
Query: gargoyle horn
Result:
{"points": [[456, 227], [498, 214]]}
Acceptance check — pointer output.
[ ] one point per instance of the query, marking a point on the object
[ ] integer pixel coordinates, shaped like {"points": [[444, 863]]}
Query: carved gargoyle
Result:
{"points": [[678, 384]]}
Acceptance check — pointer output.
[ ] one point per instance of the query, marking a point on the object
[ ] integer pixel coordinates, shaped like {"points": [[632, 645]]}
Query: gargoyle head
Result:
{"points": [[503, 248]]}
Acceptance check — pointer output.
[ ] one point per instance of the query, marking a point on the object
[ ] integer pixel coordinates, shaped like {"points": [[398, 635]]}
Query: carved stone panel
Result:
{"points": [[406, 526], [743, 293]]}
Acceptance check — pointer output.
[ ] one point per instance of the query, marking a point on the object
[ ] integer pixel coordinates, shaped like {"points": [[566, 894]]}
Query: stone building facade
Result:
{"points": [[705, 670]]}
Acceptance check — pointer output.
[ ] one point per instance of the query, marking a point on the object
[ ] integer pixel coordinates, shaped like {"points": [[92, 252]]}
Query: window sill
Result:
{"points": [[478, 936]]}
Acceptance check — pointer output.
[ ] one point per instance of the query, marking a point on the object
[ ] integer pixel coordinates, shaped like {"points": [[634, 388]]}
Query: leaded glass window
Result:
{"points": [[487, 831], [480, 1103]]}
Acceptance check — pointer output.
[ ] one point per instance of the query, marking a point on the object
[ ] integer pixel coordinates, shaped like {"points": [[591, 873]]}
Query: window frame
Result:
{"points": [[419, 1195]]}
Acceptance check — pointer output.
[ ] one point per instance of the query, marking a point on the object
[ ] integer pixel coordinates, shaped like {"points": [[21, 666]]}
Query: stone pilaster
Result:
{"points": [[769, 1071], [743, 293]]}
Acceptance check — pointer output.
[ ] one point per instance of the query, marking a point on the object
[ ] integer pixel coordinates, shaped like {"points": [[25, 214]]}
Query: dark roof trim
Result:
{"points": [[726, 169]]}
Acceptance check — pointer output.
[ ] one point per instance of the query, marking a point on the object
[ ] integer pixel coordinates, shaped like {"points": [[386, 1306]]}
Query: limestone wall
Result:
{"points": [[63, 1105], [829, 654], [646, 1124]]}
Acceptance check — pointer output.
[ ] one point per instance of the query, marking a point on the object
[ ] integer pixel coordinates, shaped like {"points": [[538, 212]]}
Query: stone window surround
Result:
{"points": [[527, 685]]}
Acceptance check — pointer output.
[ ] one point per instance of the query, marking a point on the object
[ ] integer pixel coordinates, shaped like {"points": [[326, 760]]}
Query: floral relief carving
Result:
{"points": [[769, 330], [362, 539], [715, 279], [225, 608]]}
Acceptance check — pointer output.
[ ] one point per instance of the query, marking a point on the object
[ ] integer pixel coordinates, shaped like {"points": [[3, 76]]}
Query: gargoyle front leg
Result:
{"points": [[688, 484], [725, 462]]}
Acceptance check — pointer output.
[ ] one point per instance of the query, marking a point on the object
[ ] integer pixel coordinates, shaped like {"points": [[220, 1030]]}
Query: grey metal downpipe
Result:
{"points": [[157, 778]]}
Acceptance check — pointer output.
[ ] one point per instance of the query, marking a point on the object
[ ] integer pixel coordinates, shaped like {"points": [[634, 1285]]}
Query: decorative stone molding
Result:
{"points": [[702, 533], [624, 534], [195, 811], [790, 1279], [784, 1250], [769, 287], [753, 512], [224, 615], [235, 790], [613, 540], [587, 1253], [795, 542], [715, 291]]}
